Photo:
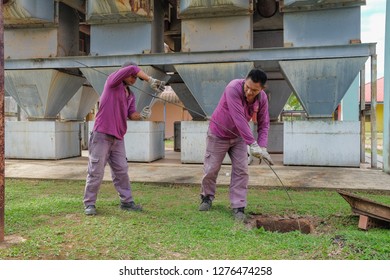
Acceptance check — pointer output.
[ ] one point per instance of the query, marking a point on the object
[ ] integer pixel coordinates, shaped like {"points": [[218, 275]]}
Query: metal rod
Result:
{"points": [[374, 142], [162, 59], [362, 116], [2, 162]]}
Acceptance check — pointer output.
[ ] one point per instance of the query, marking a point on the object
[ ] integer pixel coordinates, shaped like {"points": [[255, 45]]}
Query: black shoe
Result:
{"points": [[206, 203], [130, 206], [239, 214], [90, 210]]}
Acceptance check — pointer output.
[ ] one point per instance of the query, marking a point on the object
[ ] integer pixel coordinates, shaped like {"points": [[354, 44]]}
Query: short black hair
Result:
{"points": [[128, 63], [257, 76]]}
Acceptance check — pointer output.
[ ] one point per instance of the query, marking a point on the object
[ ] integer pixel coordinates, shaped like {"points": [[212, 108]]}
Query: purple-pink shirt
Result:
{"points": [[115, 106], [233, 113]]}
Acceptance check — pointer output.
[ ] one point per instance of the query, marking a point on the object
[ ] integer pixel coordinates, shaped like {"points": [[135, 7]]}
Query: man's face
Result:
{"points": [[251, 89], [130, 80]]}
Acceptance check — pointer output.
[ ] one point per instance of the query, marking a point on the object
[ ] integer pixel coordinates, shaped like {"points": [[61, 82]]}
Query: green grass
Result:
{"points": [[49, 215], [379, 140], [169, 144]]}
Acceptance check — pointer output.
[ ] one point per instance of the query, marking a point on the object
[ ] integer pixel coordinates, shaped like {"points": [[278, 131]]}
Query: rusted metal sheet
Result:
{"points": [[366, 207], [308, 5], [28, 12], [200, 8], [119, 10]]}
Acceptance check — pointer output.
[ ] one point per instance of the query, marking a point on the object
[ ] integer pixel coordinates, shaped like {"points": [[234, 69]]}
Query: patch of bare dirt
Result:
{"points": [[11, 240], [277, 223]]}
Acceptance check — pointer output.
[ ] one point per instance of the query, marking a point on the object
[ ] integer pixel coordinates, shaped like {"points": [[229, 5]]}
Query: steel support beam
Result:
{"points": [[165, 59]]}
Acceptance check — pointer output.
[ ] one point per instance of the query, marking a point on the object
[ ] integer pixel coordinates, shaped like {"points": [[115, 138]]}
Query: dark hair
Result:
{"points": [[128, 63], [257, 76]]}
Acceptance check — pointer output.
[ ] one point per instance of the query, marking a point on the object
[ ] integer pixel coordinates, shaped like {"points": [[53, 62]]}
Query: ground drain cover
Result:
{"points": [[282, 224]]}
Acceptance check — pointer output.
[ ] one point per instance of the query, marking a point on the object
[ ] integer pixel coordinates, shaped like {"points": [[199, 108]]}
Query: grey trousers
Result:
{"points": [[105, 148], [216, 150]]}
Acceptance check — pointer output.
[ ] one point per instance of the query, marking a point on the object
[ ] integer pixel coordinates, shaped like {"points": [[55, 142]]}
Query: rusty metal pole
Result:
{"points": [[374, 142], [362, 116], [2, 163]]}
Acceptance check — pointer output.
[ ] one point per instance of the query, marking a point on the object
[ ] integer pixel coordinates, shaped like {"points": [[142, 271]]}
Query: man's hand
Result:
{"points": [[157, 85], [146, 113], [265, 155], [260, 152], [255, 150]]}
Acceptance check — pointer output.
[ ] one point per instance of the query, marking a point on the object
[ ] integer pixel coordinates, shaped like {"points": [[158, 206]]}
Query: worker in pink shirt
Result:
{"points": [[229, 132], [106, 144]]}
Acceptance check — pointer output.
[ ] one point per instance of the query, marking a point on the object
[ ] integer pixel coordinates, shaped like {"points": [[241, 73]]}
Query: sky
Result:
{"points": [[373, 16]]}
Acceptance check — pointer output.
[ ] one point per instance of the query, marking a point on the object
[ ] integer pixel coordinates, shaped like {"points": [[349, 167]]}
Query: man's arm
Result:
{"points": [[263, 121]]}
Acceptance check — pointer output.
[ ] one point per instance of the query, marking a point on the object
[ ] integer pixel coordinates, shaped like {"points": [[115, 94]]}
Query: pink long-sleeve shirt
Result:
{"points": [[116, 106], [233, 113]]}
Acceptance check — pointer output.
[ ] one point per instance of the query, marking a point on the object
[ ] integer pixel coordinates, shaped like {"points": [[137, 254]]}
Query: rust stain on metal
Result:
{"points": [[13, 10], [2, 162], [366, 208], [139, 7]]}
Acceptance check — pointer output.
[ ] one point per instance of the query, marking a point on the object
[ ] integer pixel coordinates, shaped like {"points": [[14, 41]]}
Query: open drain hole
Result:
{"points": [[282, 224]]}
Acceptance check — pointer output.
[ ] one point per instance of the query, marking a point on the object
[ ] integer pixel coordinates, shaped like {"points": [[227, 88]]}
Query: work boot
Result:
{"points": [[90, 210], [130, 206], [239, 214], [205, 205]]}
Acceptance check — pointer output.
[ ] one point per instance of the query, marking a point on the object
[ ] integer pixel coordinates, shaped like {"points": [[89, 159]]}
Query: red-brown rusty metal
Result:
{"points": [[2, 162], [366, 207]]}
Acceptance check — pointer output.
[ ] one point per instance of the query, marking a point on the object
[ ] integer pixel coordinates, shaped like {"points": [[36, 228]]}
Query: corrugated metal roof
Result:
{"points": [[169, 95]]}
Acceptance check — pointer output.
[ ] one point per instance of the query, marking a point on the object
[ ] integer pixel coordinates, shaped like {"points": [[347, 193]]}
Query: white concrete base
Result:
{"points": [[193, 142], [275, 138], [42, 139], [322, 143], [144, 140]]}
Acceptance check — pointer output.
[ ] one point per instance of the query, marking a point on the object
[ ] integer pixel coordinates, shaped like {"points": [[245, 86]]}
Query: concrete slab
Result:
{"points": [[170, 170]]}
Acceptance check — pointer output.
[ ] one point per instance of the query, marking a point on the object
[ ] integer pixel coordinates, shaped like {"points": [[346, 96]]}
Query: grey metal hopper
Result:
{"points": [[189, 101], [41, 93], [321, 84], [119, 11], [301, 5], [194, 8], [28, 11], [278, 93], [97, 76], [80, 104], [206, 83], [144, 94]]}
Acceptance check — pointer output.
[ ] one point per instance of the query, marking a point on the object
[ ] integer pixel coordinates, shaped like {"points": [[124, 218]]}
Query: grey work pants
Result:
{"points": [[105, 148], [216, 150]]}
